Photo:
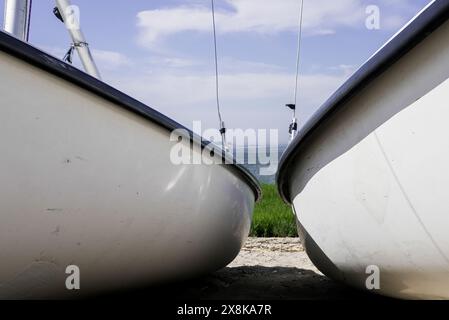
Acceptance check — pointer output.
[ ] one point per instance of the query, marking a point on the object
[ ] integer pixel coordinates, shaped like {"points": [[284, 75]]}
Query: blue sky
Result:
{"points": [[161, 52]]}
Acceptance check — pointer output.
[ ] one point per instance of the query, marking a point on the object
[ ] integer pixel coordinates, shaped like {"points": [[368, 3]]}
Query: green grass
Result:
{"points": [[272, 217]]}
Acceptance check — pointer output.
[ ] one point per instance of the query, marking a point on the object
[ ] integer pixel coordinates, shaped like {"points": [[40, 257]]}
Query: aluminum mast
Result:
{"points": [[17, 18], [70, 16]]}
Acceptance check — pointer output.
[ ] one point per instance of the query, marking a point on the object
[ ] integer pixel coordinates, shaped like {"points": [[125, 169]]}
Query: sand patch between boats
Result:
{"points": [[274, 252]]}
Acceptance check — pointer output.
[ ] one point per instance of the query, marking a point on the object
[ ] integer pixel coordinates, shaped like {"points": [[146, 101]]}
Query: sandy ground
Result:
{"points": [[272, 268], [267, 268], [273, 252]]}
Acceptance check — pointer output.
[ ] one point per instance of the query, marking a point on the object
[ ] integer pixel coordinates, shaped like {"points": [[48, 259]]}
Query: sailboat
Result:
{"points": [[367, 175], [88, 188]]}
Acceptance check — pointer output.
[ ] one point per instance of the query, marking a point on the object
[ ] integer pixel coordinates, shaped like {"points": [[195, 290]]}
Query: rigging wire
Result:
{"points": [[293, 128], [298, 57], [217, 80]]}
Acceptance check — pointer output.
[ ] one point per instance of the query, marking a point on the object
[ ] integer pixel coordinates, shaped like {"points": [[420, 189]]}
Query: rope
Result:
{"points": [[217, 80], [298, 57], [69, 55]]}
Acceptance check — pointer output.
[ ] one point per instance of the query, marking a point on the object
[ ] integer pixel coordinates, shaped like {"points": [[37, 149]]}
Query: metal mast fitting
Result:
{"points": [[17, 18], [70, 16], [293, 128]]}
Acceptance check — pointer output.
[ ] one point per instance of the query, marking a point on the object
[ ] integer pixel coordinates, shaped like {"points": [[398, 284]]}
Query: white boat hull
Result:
{"points": [[86, 182], [370, 186]]}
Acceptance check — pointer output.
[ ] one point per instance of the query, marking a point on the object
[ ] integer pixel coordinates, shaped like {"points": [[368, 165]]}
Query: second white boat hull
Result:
{"points": [[370, 185]]}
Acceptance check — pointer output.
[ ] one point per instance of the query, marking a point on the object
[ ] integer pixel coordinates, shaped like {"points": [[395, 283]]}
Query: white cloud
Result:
{"points": [[244, 96], [320, 17], [345, 70], [173, 62], [110, 59]]}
